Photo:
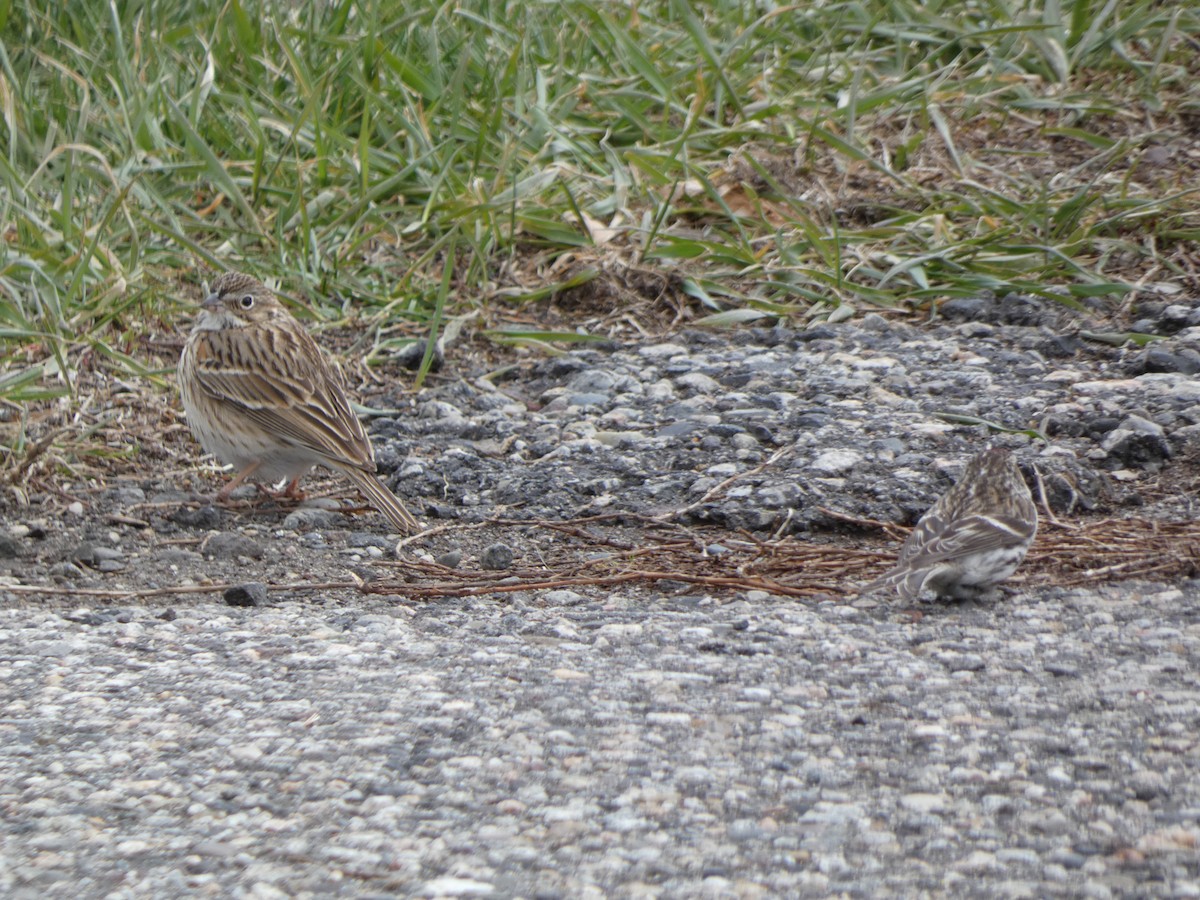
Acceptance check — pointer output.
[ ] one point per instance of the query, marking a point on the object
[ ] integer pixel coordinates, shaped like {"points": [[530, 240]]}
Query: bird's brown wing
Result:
{"points": [[934, 541], [281, 380]]}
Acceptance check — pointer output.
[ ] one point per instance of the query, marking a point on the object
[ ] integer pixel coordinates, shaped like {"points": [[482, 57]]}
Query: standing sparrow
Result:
{"points": [[972, 538], [260, 394]]}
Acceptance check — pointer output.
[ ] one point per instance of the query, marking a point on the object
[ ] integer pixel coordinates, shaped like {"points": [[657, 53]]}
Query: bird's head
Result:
{"points": [[235, 300]]}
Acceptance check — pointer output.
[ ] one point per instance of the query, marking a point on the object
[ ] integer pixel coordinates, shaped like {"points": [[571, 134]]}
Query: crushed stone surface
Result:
{"points": [[254, 725]]}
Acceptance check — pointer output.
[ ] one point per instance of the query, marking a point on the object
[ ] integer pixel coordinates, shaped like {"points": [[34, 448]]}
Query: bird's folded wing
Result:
{"points": [[291, 398], [973, 534]]}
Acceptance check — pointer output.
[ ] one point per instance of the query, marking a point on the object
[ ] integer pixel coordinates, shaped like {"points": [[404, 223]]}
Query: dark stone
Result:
{"points": [[412, 355], [98, 557], [1185, 361], [964, 309], [252, 593], [820, 333], [809, 420], [310, 517], [1137, 442], [10, 547], [1099, 426], [367, 539], [1011, 309], [538, 449], [761, 433], [1018, 309], [1178, 316], [1062, 669], [678, 429], [736, 380], [227, 545], [1067, 859], [389, 454], [94, 617], [1060, 345], [204, 518], [126, 495], [497, 556], [450, 559], [725, 430], [65, 572], [737, 516], [510, 492], [1144, 326], [87, 617]]}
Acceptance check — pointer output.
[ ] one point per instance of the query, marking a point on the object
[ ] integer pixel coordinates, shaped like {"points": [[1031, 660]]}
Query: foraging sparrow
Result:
{"points": [[972, 538], [260, 394]]}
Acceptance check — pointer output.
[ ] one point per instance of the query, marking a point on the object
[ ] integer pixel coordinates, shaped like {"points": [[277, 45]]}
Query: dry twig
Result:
{"points": [[1085, 553]]}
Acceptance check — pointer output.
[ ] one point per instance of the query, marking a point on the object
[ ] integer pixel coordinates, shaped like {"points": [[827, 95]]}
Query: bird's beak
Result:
{"points": [[212, 302]]}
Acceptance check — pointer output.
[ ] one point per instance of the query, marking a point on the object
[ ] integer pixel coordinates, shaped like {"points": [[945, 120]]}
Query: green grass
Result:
{"points": [[402, 162]]}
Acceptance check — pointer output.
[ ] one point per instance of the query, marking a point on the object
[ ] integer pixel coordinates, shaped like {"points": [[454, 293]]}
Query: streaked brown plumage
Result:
{"points": [[974, 537], [260, 395]]}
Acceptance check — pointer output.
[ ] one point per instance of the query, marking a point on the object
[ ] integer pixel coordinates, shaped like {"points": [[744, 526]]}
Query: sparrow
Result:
{"points": [[973, 538], [261, 395]]}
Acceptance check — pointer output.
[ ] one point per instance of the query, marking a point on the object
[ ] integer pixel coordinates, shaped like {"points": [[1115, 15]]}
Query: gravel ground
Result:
{"points": [[646, 741]]}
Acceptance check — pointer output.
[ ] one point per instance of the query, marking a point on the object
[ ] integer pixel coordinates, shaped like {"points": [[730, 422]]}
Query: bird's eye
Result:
{"points": [[247, 301]]}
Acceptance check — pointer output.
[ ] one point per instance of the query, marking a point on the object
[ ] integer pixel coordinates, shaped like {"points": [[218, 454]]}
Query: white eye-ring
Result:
{"points": [[247, 301]]}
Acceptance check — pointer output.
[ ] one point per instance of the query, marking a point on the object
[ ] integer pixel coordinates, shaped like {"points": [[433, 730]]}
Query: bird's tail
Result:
{"points": [[384, 501], [908, 583]]}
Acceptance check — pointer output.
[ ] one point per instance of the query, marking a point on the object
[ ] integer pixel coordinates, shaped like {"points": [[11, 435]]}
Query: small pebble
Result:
{"points": [[203, 519], [496, 556], [229, 545], [127, 495], [308, 517], [252, 593], [367, 539], [412, 355]]}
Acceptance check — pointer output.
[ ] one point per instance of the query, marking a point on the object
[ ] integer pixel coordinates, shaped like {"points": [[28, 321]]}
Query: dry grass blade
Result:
{"points": [[1092, 553], [31, 455], [1116, 548], [672, 558]]}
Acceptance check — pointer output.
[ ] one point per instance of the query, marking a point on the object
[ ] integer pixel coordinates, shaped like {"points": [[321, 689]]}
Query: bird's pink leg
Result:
{"points": [[241, 476]]}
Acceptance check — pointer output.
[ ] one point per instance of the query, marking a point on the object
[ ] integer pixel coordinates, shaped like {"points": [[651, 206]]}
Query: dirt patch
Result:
{"points": [[769, 460]]}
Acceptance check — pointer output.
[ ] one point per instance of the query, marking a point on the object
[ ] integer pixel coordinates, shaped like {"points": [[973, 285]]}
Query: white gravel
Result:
{"points": [[552, 745]]}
